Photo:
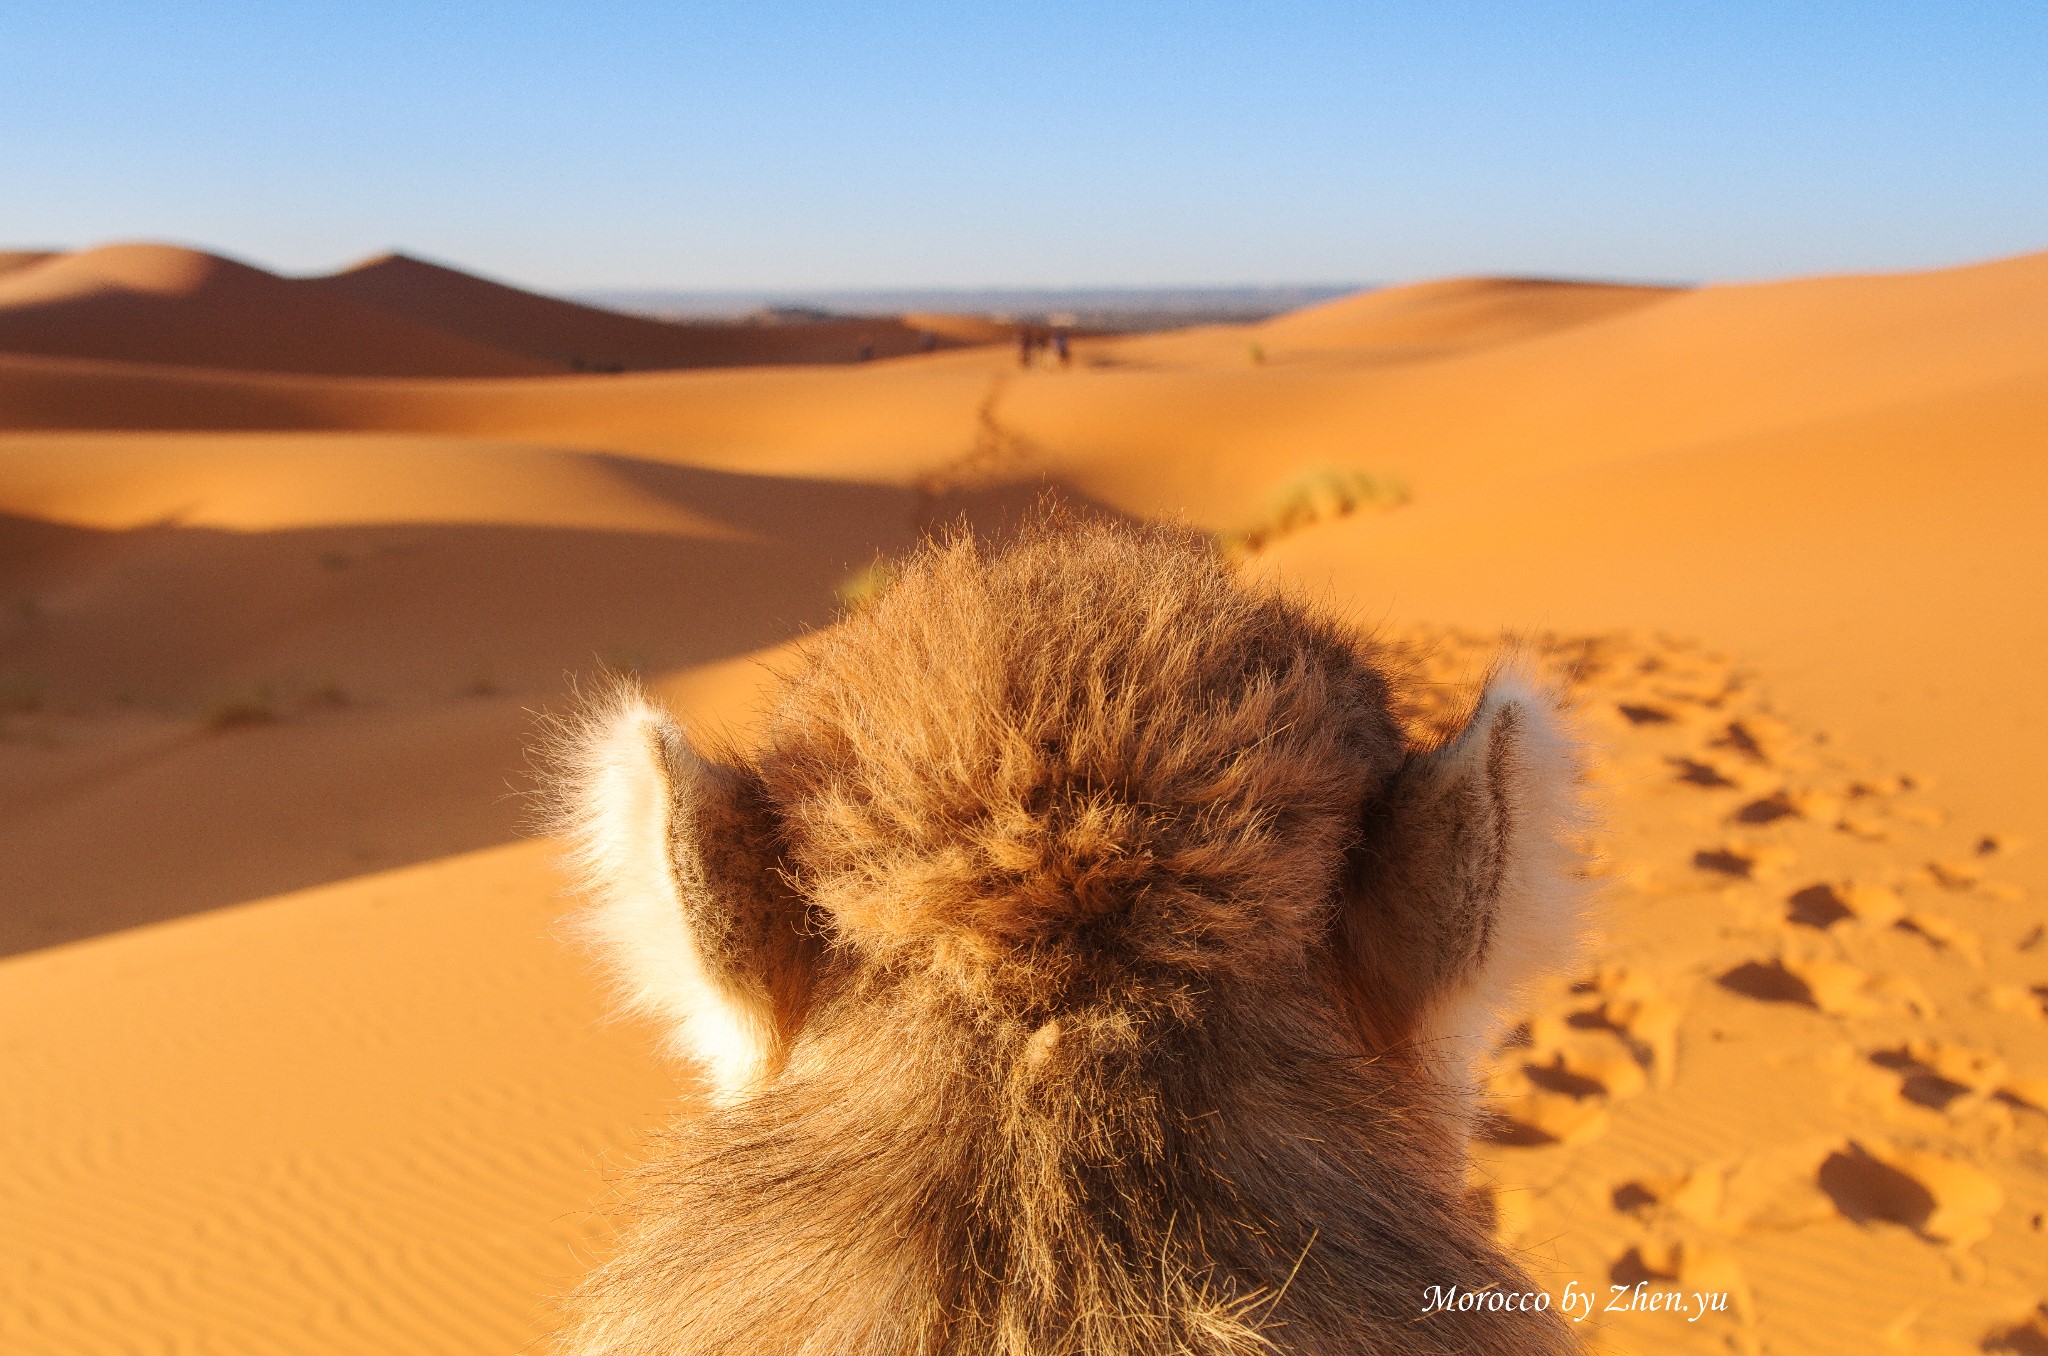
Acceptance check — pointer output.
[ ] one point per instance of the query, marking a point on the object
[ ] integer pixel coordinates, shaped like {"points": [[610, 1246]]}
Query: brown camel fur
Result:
{"points": [[1082, 963]]}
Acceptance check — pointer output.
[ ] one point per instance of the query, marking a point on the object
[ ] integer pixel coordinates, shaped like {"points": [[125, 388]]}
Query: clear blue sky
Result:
{"points": [[626, 143]]}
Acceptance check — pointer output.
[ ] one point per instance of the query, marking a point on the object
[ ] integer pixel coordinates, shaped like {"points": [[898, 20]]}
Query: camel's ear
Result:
{"points": [[1467, 885], [677, 855]]}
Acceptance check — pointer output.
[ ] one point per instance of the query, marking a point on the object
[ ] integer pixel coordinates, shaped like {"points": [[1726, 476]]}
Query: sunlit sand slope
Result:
{"points": [[1885, 566], [256, 663], [372, 1118]]}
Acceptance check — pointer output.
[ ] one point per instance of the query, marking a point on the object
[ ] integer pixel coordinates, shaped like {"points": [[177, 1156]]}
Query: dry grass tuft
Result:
{"points": [[1322, 495]]}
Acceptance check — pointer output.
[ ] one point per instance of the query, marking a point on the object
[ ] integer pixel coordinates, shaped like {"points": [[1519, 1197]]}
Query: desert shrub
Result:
{"points": [[1322, 495]]}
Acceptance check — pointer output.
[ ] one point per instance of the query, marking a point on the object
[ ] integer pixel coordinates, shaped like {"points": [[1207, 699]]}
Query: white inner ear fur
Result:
{"points": [[1540, 905], [622, 826]]}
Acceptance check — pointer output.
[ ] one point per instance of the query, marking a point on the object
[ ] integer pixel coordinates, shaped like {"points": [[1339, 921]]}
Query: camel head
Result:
{"points": [[1081, 958]]}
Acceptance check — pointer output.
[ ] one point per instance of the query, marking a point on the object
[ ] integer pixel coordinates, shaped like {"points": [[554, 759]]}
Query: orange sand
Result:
{"points": [[271, 618]]}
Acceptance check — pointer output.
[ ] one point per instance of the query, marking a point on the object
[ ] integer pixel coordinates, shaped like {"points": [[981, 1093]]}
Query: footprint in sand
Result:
{"points": [[1633, 1006], [1869, 812], [1826, 903], [2028, 1337], [1938, 1074], [1770, 1190], [2022, 1000], [1941, 1199], [1945, 934], [1764, 739], [1821, 906], [1555, 1081], [1816, 906], [1612, 1074], [1955, 873], [1745, 861], [1697, 772], [1643, 713], [1817, 807], [1529, 1119], [1535, 1100], [1831, 986], [1721, 773], [1765, 810], [2028, 1092], [1966, 875]]}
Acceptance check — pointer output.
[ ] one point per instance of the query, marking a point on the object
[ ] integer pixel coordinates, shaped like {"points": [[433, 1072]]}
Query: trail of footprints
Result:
{"points": [[1752, 874]]}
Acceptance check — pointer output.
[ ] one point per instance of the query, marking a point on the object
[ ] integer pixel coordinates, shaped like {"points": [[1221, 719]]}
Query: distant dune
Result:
{"points": [[570, 336], [162, 304], [1430, 319], [13, 259], [296, 1064], [393, 316]]}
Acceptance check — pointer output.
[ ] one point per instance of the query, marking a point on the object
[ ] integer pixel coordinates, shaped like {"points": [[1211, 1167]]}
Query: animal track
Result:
{"points": [[1747, 862], [1941, 1199], [1806, 882]]}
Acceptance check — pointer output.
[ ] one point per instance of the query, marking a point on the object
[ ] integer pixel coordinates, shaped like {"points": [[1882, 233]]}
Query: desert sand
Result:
{"points": [[297, 1060]]}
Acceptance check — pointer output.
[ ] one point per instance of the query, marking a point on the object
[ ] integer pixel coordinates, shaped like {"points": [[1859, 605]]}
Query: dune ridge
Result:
{"points": [[392, 316], [13, 259], [575, 337], [163, 304]]}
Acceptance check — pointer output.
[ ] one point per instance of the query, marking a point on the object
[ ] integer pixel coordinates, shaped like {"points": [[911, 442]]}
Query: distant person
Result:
{"points": [[1025, 343], [867, 351], [1060, 349]]}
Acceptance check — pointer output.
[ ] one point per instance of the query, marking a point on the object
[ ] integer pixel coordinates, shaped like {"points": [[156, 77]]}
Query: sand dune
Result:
{"points": [[162, 304], [585, 338], [1207, 431], [261, 663], [1432, 319], [392, 316], [1710, 364], [268, 633], [13, 259], [1882, 565]]}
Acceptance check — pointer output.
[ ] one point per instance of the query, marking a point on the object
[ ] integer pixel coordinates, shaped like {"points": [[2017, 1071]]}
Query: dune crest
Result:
{"points": [[574, 337], [163, 304]]}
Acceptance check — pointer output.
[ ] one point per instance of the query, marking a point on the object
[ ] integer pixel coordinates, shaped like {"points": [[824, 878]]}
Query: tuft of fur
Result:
{"points": [[1094, 752]]}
